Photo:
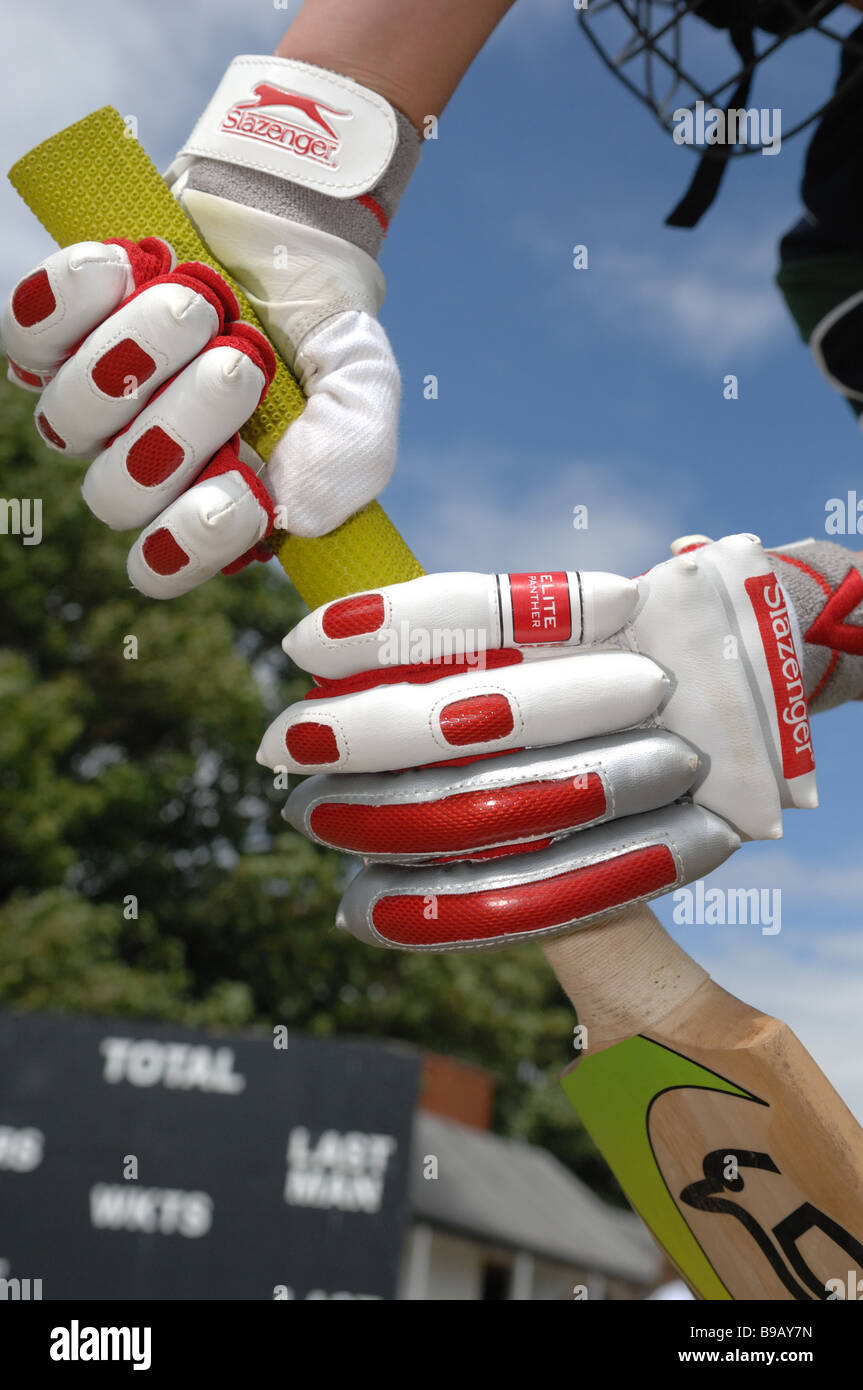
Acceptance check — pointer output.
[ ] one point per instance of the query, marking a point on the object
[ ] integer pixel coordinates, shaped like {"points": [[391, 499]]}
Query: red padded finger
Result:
{"points": [[310, 743], [154, 457], [498, 852], [227, 460], [47, 431], [208, 279], [476, 719], [28, 378], [525, 907], [163, 553], [249, 340], [351, 617], [464, 821], [33, 299], [205, 281], [474, 758], [125, 362]]}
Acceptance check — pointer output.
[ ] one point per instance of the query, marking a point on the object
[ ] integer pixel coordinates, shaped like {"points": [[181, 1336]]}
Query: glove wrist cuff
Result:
{"points": [[303, 143], [825, 584]]}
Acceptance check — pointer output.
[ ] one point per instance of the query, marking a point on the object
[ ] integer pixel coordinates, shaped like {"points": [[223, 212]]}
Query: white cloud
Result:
{"points": [[806, 884], [708, 303], [494, 510], [716, 319]]}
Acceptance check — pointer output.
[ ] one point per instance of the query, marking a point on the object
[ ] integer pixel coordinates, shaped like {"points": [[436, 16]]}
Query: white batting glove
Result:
{"points": [[291, 176], [696, 659]]}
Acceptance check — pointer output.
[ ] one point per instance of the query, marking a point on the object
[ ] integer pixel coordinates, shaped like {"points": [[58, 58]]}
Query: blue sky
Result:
{"points": [[560, 387]]}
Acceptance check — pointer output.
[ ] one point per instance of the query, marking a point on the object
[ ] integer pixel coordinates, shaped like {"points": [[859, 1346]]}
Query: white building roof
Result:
{"points": [[513, 1194]]}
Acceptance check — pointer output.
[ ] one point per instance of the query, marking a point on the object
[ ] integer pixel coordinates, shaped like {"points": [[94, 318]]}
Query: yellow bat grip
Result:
{"points": [[92, 181]]}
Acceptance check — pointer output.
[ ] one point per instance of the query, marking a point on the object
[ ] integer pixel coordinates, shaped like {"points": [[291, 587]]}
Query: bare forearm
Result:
{"points": [[413, 52]]}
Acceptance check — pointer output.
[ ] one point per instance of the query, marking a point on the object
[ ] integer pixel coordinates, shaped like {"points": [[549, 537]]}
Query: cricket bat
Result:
{"points": [[723, 1133]]}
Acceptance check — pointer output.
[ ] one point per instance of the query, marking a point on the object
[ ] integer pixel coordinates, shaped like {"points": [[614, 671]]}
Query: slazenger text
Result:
{"points": [[272, 131], [795, 713]]}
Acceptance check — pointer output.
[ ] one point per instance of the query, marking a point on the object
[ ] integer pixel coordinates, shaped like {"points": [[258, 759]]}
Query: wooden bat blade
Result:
{"points": [[735, 1149]]}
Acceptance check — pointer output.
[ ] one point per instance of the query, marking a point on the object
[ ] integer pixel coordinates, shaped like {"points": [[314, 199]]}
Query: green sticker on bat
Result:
{"points": [[612, 1093]]}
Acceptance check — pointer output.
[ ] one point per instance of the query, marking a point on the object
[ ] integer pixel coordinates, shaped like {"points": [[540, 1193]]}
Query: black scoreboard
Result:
{"points": [[154, 1162]]}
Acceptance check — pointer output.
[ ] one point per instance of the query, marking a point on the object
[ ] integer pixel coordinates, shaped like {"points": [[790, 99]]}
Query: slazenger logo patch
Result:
{"points": [[768, 601], [271, 116]]}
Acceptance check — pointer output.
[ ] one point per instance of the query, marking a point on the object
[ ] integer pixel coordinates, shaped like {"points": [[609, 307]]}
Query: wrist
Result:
{"points": [[322, 54]]}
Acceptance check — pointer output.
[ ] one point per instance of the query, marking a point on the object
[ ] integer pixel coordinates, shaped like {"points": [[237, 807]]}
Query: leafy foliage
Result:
{"points": [[131, 780]]}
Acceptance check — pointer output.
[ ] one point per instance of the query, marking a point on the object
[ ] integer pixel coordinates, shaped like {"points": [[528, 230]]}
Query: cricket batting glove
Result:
{"points": [[569, 743], [290, 176]]}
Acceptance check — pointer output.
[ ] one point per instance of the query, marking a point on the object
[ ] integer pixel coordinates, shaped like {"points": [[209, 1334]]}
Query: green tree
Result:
{"points": [[144, 870]]}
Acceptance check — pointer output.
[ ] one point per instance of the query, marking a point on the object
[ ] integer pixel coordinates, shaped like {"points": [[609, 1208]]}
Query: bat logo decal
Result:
{"points": [[705, 1195]]}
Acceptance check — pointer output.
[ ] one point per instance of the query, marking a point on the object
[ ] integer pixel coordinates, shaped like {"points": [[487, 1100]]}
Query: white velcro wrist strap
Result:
{"points": [[314, 127]]}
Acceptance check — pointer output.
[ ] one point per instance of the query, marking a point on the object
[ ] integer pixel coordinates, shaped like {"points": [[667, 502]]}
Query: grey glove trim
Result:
{"points": [[352, 219], [819, 575]]}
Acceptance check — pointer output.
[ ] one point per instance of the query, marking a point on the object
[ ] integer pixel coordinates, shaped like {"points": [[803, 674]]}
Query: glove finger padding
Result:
{"points": [[57, 305], [470, 715], [448, 617], [526, 798], [168, 444], [224, 516], [555, 837], [529, 897], [117, 369]]}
